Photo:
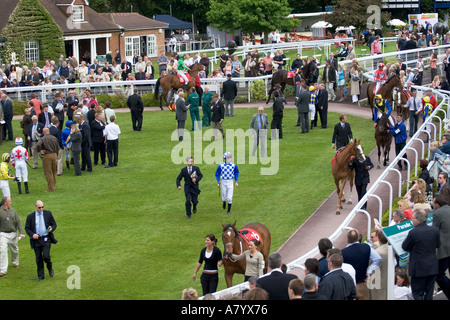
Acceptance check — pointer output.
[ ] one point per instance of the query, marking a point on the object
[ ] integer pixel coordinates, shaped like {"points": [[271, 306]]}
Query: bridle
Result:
{"points": [[231, 243]]}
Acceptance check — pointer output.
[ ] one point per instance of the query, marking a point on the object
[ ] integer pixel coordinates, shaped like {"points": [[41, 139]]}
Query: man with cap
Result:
{"points": [[381, 106], [225, 173], [417, 79], [19, 159], [4, 175], [182, 69], [380, 77]]}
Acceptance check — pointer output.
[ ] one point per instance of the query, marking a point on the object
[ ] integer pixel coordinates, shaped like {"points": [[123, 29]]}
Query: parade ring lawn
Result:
{"points": [[122, 232]]}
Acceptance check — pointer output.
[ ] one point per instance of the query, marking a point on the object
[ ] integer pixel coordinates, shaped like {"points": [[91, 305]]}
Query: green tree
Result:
{"points": [[251, 15], [350, 12], [30, 21]]}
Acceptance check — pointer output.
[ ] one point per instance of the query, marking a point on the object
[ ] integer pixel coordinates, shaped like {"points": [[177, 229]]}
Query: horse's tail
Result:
{"points": [[157, 89]]}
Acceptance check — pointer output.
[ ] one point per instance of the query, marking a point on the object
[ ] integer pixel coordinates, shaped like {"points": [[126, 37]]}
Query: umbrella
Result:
{"points": [[396, 22], [321, 24]]}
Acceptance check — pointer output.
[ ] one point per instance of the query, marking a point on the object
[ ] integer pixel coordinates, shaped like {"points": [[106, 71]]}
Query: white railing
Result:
{"points": [[371, 193]]}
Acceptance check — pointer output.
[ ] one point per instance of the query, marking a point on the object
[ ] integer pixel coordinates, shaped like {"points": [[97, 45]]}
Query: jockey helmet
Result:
{"points": [[227, 155], [19, 141], [312, 88], [6, 157], [426, 99], [381, 65], [378, 97]]}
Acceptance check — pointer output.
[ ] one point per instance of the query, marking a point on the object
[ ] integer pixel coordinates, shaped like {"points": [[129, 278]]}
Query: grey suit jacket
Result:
{"points": [[302, 102], [255, 119], [181, 110], [441, 220]]}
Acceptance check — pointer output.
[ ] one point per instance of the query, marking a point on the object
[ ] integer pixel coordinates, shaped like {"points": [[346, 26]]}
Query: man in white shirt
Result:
{"points": [[414, 104], [112, 132]]}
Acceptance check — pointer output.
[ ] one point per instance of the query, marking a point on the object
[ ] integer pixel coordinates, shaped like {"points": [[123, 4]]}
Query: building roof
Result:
{"points": [[134, 21], [173, 22]]}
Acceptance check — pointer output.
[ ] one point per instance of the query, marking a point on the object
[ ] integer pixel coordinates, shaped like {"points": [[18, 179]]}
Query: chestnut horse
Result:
{"points": [[172, 82], [341, 171], [234, 242], [385, 91]]}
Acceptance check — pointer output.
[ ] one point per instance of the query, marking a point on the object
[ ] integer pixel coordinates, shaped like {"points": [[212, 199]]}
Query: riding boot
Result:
{"points": [[224, 205], [20, 187], [67, 164], [26, 187], [229, 209]]}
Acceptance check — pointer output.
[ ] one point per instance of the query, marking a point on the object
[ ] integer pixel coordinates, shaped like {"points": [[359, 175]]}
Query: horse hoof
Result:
{"points": [[338, 213], [350, 202], [343, 200], [378, 166]]}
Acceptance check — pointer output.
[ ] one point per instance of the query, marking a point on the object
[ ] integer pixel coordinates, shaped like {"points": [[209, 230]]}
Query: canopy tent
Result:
{"points": [[318, 29], [173, 22], [396, 22]]}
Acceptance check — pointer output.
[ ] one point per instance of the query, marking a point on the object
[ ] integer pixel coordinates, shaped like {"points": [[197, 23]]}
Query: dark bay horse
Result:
{"points": [[234, 242], [281, 77], [385, 91], [171, 82], [341, 171], [384, 140], [400, 101]]}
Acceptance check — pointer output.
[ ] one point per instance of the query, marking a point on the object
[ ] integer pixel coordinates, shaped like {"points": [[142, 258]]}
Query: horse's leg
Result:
{"points": [[228, 278], [379, 156], [339, 191], [270, 94]]}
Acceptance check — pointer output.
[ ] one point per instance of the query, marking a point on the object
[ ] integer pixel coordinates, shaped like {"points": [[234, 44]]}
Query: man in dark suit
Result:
{"points": [[229, 93], [71, 104], [45, 117], [217, 115], [40, 226], [337, 284], [362, 176], [302, 104], [86, 143], [98, 140], [8, 114], [34, 132], [441, 220], [126, 69], [421, 243], [342, 133], [276, 283], [322, 106], [192, 176], [136, 106], [181, 113]]}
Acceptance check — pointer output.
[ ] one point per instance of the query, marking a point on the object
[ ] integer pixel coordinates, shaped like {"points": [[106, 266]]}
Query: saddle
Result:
{"points": [[407, 94], [188, 76], [378, 89], [249, 234]]}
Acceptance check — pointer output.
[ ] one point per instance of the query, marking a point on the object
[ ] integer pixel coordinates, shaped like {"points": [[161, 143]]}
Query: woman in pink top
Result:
{"points": [[375, 47], [433, 65]]}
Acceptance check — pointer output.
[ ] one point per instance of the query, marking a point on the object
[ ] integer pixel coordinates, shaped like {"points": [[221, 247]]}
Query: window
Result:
{"points": [[78, 13], [31, 50], [132, 46], [151, 46]]}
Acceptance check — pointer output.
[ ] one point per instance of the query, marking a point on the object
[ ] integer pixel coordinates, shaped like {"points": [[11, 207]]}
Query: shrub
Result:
{"points": [[258, 90]]}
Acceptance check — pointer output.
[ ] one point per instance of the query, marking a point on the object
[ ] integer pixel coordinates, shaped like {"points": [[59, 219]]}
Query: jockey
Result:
{"points": [[182, 69], [427, 110], [380, 77], [381, 106]]}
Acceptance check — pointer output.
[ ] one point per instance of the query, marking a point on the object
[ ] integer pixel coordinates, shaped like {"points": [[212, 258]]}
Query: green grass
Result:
{"points": [[126, 229]]}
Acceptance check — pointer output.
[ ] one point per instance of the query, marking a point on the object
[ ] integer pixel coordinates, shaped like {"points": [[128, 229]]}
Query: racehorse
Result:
{"points": [[384, 139], [281, 77], [171, 82], [341, 171], [234, 241], [401, 100], [385, 91]]}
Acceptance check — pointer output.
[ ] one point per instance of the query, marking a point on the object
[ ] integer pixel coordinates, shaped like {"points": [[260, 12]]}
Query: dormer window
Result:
{"points": [[78, 13]]}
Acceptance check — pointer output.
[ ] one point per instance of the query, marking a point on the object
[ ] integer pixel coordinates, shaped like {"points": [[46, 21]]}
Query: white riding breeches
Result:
{"points": [[227, 190]]}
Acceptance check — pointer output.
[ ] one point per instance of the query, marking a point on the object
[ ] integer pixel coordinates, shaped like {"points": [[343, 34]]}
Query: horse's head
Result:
{"points": [[229, 233], [197, 67], [383, 122], [395, 81], [358, 151]]}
